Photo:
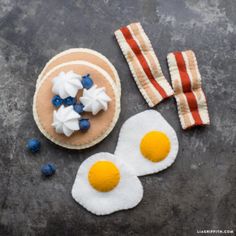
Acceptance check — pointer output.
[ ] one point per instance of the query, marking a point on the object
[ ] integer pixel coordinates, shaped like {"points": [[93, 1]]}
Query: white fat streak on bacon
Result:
{"points": [[159, 76], [202, 105], [156, 71], [154, 90], [196, 88], [175, 77], [192, 81], [205, 113], [126, 49], [185, 114]]}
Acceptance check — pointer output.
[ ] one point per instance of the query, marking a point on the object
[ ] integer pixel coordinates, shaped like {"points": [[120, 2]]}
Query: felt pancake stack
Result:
{"points": [[77, 98]]}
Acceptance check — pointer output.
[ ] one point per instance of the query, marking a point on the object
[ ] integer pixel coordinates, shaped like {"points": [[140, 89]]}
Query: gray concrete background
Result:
{"points": [[197, 192]]}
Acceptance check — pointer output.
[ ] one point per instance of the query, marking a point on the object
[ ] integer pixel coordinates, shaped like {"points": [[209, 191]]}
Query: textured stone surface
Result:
{"points": [[197, 192]]}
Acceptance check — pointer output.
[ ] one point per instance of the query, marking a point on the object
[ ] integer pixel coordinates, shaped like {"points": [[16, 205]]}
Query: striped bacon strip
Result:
{"points": [[143, 63], [186, 81]]}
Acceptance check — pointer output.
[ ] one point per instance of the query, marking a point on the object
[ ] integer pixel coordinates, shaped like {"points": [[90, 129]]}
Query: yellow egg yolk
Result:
{"points": [[155, 146], [104, 176]]}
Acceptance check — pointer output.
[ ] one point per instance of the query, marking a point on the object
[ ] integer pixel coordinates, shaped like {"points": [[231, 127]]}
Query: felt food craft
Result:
{"points": [[76, 104], [84, 54], [143, 63], [147, 143], [187, 84], [104, 184]]}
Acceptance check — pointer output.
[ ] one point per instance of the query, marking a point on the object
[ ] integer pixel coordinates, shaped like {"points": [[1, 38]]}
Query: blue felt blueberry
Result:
{"points": [[78, 107], [69, 101], [87, 82], [48, 169], [33, 145], [84, 124], [57, 101]]}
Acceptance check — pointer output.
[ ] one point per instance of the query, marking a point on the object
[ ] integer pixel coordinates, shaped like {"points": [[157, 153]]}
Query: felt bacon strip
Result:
{"points": [[143, 63], [186, 81]]}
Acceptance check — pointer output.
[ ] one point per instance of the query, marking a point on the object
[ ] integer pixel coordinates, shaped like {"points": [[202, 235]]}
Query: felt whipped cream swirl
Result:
{"points": [[65, 120], [67, 84], [95, 99], [68, 118]]}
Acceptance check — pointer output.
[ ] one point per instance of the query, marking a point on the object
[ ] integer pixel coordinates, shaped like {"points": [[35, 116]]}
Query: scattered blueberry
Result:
{"points": [[84, 124], [78, 107], [87, 82], [48, 169], [57, 101], [33, 145], [69, 101]]}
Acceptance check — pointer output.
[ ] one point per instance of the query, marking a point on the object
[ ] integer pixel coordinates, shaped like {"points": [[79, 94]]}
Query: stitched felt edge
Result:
{"points": [[87, 50], [98, 139], [169, 161], [121, 43], [170, 91], [173, 71], [205, 109], [109, 157]]}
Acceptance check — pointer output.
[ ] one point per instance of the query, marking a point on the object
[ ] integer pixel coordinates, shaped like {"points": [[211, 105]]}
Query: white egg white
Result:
{"points": [[131, 134], [127, 194]]}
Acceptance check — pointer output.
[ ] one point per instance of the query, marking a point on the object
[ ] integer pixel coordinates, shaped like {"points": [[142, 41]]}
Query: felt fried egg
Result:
{"points": [[147, 143], [104, 184]]}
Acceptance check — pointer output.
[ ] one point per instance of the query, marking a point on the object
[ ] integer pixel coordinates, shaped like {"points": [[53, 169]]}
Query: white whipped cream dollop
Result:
{"points": [[95, 99], [67, 84], [66, 120]]}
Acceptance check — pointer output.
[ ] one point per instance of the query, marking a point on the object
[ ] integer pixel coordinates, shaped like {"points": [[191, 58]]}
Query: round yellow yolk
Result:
{"points": [[155, 146], [104, 176]]}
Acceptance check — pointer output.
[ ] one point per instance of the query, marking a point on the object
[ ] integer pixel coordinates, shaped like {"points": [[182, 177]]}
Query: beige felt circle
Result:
{"points": [[101, 124], [77, 54]]}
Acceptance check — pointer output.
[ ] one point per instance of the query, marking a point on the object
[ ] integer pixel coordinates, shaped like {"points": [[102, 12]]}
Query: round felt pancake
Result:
{"points": [[101, 124], [77, 54]]}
